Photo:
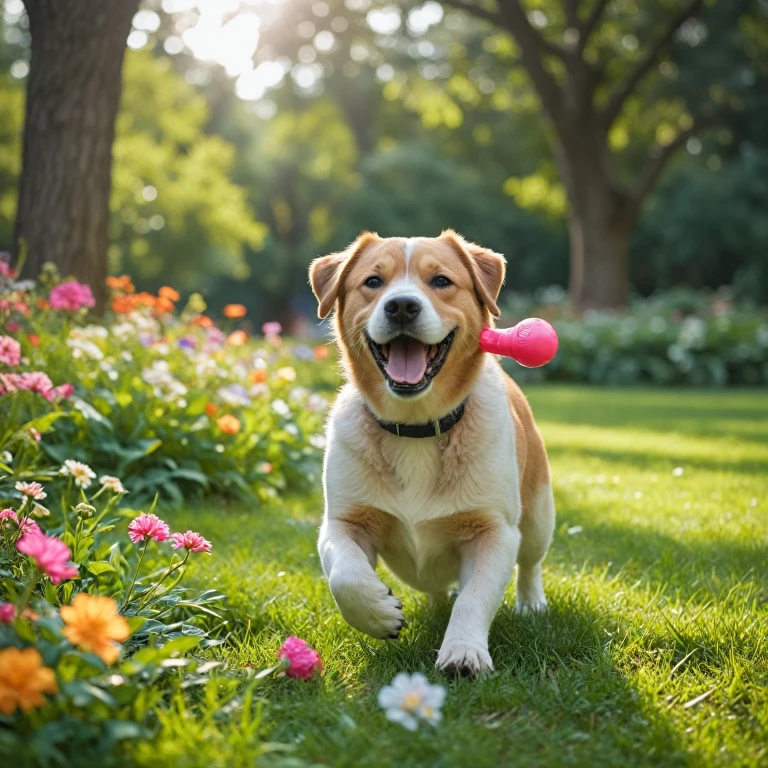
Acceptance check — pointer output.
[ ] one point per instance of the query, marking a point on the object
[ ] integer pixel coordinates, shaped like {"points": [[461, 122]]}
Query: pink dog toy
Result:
{"points": [[532, 342]]}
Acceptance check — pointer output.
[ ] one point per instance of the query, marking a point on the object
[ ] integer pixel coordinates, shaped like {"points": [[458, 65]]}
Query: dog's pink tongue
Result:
{"points": [[407, 360]]}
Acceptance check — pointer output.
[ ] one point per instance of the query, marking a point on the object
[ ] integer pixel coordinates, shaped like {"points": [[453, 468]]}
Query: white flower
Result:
{"points": [[81, 473], [6, 457], [677, 471], [318, 441], [281, 408], [84, 348], [411, 697], [112, 484], [89, 332], [287, 374], [123, 331], [317, 403]]}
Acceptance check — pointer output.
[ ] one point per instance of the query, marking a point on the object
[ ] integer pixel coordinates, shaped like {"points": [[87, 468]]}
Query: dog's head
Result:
{"points": [[408, 316]]}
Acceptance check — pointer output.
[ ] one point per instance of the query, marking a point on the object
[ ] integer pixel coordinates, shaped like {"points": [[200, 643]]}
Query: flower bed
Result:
{"points": [[162, 398]]}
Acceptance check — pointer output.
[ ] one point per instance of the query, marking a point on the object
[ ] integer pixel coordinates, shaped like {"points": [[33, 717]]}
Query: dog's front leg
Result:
{"points": [[487, 562], [348, 553]]}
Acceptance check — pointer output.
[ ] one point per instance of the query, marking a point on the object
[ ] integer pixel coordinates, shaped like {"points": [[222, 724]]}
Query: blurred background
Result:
{"points": [[613, 150]]}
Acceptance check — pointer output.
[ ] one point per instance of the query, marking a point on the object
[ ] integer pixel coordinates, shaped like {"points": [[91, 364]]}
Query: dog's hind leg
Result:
{"points": [[536, 527]]}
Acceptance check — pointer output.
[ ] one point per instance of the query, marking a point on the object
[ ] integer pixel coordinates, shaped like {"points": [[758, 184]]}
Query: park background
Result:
{"points": [[167, 172]]}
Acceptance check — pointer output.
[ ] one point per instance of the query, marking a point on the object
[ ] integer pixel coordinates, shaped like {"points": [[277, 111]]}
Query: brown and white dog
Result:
{"points": [[469, 495]]}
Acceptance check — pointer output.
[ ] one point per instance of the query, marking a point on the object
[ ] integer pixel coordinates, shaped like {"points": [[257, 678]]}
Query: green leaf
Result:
{"points": [[99, 567]]}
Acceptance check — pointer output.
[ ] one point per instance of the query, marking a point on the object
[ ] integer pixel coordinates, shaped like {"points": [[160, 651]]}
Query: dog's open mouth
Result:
{"points": [[408, 364]]}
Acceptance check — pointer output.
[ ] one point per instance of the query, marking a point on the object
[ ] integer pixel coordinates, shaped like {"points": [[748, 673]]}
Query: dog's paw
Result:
{"points": [[525, 607], [368, 605], [464, 659]]}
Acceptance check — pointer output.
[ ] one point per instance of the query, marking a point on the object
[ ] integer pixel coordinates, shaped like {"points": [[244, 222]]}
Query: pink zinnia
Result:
{"points": [[303, 660], [71, 295], [62, 392], [194, 542], [272, 328], [10, 351], [27, 525], [51, 555], [7, 613], [147, 527], [37, 381], [34, 490]]}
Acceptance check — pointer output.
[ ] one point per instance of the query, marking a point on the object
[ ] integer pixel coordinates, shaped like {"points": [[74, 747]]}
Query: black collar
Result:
{"points": [[430, 429]]}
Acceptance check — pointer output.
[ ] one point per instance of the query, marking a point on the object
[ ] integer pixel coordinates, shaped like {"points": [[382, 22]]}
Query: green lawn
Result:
{"points": [[655, 650]]}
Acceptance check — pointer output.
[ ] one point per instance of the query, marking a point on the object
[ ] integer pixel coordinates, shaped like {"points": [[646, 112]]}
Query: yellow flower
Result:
{"points": [[93, 623], [23, 680]]}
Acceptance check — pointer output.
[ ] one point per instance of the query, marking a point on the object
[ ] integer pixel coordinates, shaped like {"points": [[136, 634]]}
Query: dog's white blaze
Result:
{"points": [[409, 245]]}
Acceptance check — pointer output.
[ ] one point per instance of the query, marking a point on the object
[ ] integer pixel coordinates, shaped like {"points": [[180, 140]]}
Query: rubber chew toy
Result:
{"points": [[532, 342]]}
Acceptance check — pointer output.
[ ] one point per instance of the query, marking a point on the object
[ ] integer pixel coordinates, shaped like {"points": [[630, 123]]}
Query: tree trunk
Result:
{"points": [[600, 222], [599, 277], [73, 95]]}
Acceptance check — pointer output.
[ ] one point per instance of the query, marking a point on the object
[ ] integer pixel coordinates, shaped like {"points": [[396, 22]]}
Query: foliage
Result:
{"points": [[680, 337], [168, 402]]}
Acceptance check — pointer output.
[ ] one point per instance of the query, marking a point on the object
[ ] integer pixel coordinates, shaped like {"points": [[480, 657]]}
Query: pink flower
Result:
{"points": [[34, 490], [71, 295], [10, 351], [303, 660], [272, 328], [194, 542], [51, 555], [13, 327], [7, 613], [62, 392], [27, 525], [147, 527], [34, 382]]}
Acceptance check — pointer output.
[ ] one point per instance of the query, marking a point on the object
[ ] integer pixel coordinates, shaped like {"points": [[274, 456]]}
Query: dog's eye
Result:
{"points": [[373, 282], [440, 282]]}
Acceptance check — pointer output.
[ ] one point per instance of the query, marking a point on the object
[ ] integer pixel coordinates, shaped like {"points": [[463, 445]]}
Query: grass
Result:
{"points": [[655, 650]]}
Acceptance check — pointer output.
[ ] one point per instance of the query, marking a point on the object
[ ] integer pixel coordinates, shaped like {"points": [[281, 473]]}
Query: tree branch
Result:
{"points": [[623, 90], [477, 11], [588, 27], [660, 155], [512, 18], [572, 13]]}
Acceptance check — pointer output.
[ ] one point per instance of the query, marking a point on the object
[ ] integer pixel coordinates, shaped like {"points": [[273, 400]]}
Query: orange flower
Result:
{"points": [[163, 305], [168, 293], [34, 339], [259, 375], [321, 353], [122, 284], [237, 338], [234, 311], [203, 321], [123, 305], [211, 409], [93, 623], [23, 680], [42, 303], [229, 424]]}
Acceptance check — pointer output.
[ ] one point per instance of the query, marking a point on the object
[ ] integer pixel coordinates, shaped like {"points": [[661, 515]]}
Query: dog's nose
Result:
{"points": [[402, 309]]}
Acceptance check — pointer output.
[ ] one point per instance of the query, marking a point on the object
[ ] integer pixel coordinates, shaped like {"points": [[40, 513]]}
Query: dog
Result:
{"points": [[433, 459]]}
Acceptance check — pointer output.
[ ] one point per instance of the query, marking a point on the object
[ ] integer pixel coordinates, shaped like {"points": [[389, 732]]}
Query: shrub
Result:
{"points": [[680, 337]]}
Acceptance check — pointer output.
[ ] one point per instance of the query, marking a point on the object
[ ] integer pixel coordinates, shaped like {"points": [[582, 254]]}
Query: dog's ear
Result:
{"points": [[326, 273], [486, 266]]}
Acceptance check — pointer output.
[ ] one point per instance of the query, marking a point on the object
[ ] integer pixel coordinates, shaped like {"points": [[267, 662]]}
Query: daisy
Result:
{"points": [[410, 698], [112, 484], [81, 473]]}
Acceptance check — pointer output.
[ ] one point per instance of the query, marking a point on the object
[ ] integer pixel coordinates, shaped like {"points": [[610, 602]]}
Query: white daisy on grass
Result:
{"points": [[81, 473], [410, 698], [112, 484]]}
